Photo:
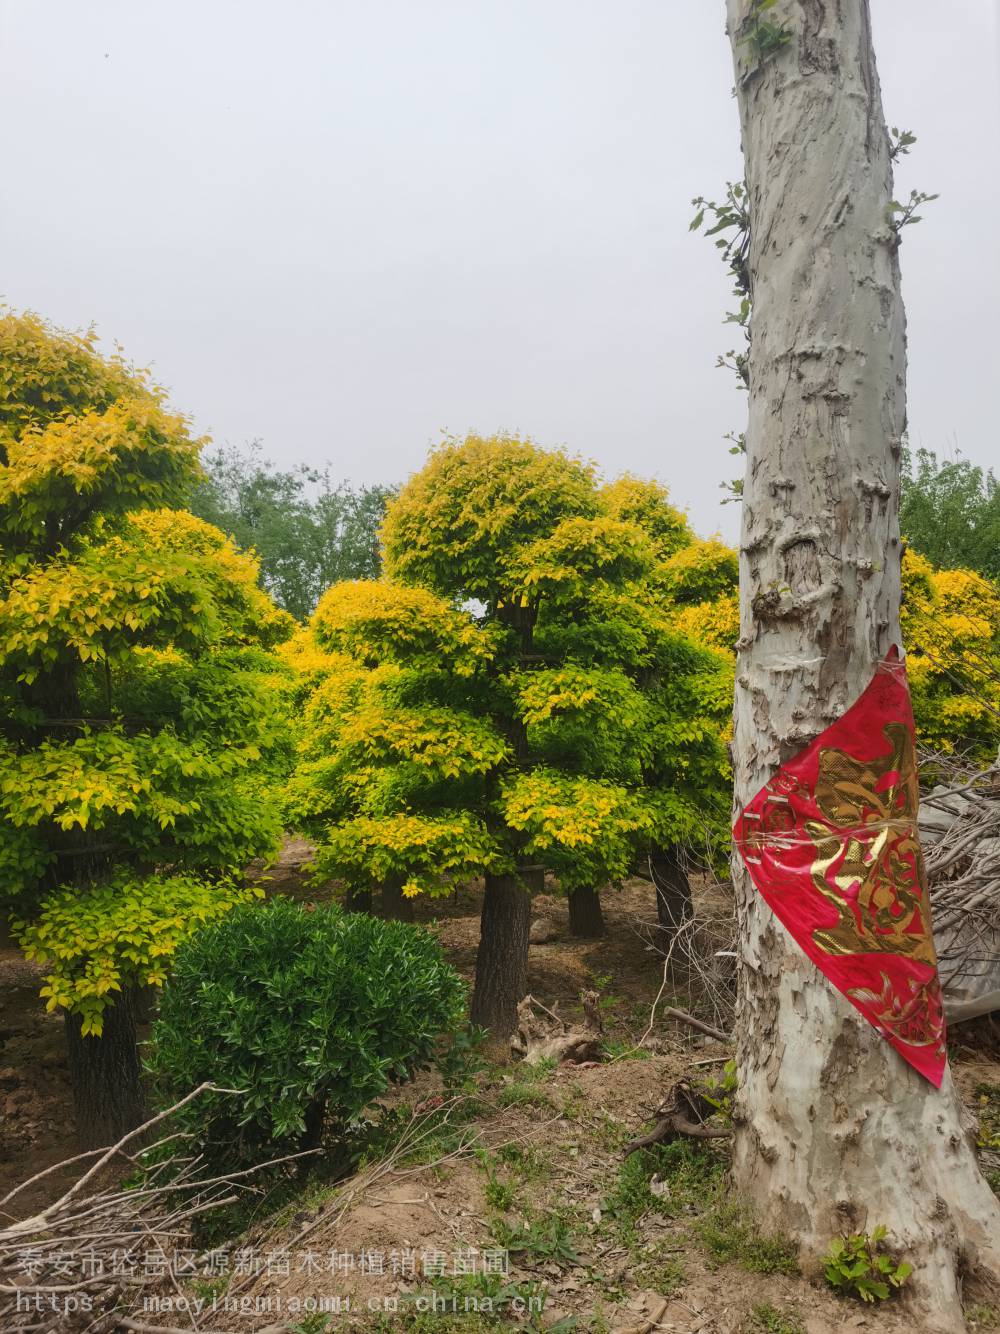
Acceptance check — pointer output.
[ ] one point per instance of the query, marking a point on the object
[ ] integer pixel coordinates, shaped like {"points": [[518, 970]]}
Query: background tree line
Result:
{"points": [[309, 531]]}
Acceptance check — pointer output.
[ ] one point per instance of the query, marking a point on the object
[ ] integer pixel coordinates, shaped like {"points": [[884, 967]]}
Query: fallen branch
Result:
{"points": [[650, 1322], [76, 1243], [671, 1012]]}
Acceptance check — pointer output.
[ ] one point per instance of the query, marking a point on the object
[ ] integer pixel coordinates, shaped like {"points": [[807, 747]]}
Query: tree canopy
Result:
{"points": [[950, 512], [513, 694], [141, 705]]}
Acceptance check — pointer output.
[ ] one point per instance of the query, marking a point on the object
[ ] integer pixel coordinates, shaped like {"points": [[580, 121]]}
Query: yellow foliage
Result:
{"points": [[234, 575], [375, 620], [647, 503], [98, 940], [951, 630], [715, 624], [702, 571], [475, 504]]}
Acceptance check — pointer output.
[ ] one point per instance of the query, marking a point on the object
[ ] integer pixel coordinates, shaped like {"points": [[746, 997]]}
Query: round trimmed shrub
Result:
{"points": [[310, 1012]]}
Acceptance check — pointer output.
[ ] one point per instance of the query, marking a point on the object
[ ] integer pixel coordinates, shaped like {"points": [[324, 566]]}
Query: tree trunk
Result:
{"points": [[673, 888], [586, 919], [108, 1097], [502, 958], [395, 904], [358, 900], [312, 1135], [833, 1130]]}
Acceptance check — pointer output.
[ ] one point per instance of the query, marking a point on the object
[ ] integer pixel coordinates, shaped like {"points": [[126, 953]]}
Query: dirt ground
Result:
{"points": [[570, 1137], [536, 1163], [36, 1127]]}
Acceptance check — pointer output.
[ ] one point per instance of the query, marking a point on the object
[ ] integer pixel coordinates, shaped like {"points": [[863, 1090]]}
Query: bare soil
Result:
{"points": [[533, 1151]]}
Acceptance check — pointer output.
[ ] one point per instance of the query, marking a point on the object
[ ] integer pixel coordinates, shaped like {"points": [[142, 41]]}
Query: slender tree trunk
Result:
{"points": [[105, 1073], [502, 958], [673, 888], [834, 1131], [395, 904], [586, 919], [358, 900], [312, 1135]]}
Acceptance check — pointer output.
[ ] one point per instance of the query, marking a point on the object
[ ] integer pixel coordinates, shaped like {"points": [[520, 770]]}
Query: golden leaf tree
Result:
{"points": [[512, 700], [138, 725]]}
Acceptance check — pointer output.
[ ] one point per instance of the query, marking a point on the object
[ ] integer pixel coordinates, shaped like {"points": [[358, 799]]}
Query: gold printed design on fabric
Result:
{"points": [[911, 1014], [869, 866]]}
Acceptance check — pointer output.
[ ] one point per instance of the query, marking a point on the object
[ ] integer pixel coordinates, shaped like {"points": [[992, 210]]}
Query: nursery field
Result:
{"points": [[524, 1160], [381, 950]]}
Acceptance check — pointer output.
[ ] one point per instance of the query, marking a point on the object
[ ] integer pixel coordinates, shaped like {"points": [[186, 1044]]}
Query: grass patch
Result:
{"points": [[691, 1173], [574, 1102], [730, 1235], [522, 1095], [770, 1320], [613, 1049], [441, 1132], [499, 1195], [980, 1315], [988, 1109], [661, 1272], [612, 1134], [208, 1289], [520, 1084], [313, 1323], [527, 1162]]}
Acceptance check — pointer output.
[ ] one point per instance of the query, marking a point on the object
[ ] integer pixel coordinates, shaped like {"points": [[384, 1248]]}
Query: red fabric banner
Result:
{"points": [[831, 844]]}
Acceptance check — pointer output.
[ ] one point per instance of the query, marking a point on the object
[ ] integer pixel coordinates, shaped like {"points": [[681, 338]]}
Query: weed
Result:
{"points": [[209, 1288], [772, 1321], [499, 1194], [612, 1134], [719, 1092], [607, 1000], [545, 1237], [520, 1084], [762, 36], [313, 1323], [729, 1235], [980, 1315], [463, 1059], [522, 1072], [469, 1302], [988, 1098], [574, 1101], [858, 1265], [526, 1161], [440, 1133]]}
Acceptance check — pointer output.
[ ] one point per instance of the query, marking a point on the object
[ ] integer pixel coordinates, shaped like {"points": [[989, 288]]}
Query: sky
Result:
{"points": [[345, 229]]}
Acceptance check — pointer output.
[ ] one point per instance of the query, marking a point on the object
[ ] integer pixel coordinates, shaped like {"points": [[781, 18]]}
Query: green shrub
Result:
{"points": [[310, 1013], [858, 1265]]}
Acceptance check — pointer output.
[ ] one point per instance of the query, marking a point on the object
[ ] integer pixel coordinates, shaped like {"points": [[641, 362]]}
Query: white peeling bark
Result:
{"points": [[834, 1131]]}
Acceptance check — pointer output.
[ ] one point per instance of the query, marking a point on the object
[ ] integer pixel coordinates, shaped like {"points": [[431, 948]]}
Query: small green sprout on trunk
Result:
{"points": [[858, 1265]]}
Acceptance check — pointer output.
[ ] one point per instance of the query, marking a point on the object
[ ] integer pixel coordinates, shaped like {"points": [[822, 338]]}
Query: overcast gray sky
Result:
{"points": [[344, 228]]}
